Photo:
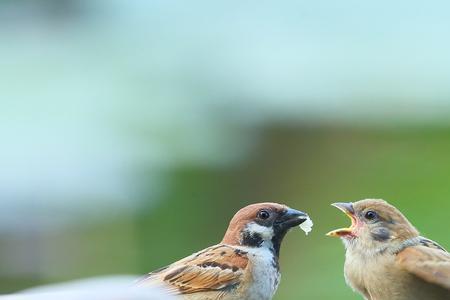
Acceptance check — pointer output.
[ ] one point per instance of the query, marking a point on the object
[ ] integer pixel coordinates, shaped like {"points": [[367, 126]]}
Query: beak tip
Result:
{"points": [[296, 213], [293, 217]]}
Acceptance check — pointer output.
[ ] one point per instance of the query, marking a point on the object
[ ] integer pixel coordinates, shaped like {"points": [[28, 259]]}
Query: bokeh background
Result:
{"points": [[131, 131]]}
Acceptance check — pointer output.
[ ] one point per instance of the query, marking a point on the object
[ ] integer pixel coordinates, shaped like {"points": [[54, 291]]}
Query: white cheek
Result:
{"points": [[265, 232]]}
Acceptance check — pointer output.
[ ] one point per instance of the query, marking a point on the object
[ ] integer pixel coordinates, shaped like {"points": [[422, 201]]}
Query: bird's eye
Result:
{"points": [[263, 214], [370, 215]]}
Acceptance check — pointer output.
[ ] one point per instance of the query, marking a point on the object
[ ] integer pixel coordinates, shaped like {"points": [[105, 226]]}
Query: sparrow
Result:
{"points": [[244, 265], [387, 259]]}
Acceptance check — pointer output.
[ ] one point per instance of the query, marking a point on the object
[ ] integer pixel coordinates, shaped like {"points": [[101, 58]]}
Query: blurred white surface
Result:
{"points": [[105, 288]]}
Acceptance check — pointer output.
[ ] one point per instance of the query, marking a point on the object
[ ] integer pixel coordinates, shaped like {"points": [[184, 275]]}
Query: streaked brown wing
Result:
{"points": [[429, 263], [213, 269]]}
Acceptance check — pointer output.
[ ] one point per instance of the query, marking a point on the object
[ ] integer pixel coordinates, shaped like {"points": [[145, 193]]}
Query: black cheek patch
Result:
{"points": [[381, 234], [251, 239]]}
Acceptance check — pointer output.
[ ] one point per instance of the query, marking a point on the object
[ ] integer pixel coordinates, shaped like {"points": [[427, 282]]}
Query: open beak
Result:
{"points": [[347, 208]]}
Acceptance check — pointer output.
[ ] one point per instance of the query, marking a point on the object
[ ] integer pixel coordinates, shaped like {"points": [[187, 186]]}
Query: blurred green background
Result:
{"points": [[133, 130]]}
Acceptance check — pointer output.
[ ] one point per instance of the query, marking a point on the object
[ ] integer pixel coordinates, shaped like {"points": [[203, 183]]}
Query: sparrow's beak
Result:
{"points": [[347, 208], [292, 218]]}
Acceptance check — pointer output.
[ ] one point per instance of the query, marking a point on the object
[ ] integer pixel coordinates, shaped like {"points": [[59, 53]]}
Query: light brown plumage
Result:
{"points": [[387, 259], [243, 266], [429, 264]]}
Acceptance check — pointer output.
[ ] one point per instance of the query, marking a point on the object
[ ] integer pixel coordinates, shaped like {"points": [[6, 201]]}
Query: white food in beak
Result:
{"points": [[306, 226]]}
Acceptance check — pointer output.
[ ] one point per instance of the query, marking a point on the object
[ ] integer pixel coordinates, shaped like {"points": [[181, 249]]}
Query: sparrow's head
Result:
{"points": [[262, 225], [374, 224]]}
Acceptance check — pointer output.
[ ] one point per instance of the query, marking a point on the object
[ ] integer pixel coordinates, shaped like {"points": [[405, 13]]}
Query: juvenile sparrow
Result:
{"points": [[243, 266], [387, 259]]}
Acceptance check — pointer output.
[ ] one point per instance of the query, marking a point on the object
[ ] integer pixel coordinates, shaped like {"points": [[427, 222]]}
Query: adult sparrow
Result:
{"points": [[244, 265], [387, 259]]}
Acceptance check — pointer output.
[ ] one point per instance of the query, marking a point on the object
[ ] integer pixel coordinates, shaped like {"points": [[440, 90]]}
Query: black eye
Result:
{"points": [[263, 214], [370, 215]]}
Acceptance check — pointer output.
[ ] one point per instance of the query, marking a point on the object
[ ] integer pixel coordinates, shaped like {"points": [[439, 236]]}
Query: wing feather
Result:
{"points": [[431, 263], [214, 269]]}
